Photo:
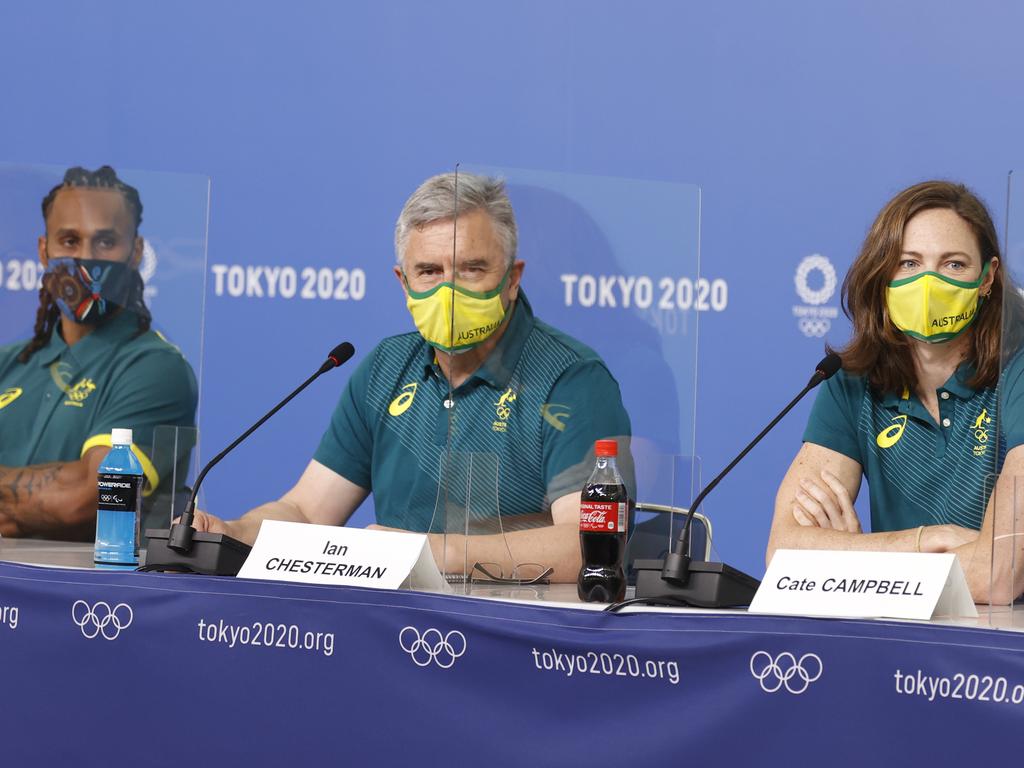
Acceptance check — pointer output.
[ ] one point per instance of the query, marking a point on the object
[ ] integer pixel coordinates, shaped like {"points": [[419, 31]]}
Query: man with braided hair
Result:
{"points": [[93, 363]]}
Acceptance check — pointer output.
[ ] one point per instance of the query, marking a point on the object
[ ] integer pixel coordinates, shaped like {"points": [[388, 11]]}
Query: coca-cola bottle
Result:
{"points": [[604, 512]]}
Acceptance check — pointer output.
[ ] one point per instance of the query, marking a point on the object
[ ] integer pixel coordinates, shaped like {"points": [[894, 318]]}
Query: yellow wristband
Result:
{"points": [[917, 544]]}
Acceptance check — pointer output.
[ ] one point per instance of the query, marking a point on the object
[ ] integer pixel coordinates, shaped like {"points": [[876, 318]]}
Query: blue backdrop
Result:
{"points": [[315, 120]]}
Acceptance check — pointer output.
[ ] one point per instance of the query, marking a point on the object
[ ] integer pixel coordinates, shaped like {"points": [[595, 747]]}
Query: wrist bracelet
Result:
{"points": [[917, 543]]}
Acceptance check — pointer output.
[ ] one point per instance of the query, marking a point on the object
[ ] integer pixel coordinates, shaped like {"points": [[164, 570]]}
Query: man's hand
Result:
{"points": [[207, 523], [321, 496], [554, 545], [826, 504], [56, 501], [437, 543]]}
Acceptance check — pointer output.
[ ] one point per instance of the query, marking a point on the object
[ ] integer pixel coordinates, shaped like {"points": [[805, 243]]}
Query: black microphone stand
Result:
{"points": [[679, 580], [182, 548]]}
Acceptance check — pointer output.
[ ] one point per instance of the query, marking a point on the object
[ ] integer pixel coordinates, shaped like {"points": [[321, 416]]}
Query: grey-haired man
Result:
{"points": [[491, 380]]}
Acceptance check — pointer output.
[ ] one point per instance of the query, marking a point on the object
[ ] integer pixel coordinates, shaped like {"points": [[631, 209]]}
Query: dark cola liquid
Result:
{"points": [[602, 579]]}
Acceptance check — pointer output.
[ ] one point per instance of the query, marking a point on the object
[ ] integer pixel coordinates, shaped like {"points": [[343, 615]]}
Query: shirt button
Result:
{"points": [[448, 403], [944, 395], [945, 422]]}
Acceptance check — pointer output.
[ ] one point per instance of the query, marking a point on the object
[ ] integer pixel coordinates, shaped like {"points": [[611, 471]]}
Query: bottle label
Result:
{"points": [[603, 516], [119, 493]]}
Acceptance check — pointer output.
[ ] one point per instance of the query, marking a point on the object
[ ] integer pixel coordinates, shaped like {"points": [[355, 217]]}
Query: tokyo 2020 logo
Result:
{"points": [[815, 282]]}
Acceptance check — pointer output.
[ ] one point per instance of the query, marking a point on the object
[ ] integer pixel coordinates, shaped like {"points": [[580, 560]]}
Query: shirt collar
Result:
{"points": [[957, 384], [497, 369], [104, 337]]}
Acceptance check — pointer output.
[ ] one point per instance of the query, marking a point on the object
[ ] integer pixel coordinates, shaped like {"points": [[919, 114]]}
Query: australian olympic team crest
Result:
{"points": [[815, 282]]}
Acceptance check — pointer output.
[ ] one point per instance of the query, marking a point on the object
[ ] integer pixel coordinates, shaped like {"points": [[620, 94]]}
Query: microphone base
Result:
{"points": [[710, 585], [213, 554]]}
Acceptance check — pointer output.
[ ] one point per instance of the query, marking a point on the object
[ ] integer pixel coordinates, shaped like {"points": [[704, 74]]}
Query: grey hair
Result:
{"points": [[435, 200]]}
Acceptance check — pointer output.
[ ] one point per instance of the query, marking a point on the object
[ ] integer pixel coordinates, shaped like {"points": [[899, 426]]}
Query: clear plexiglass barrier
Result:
{"points": [[101, 318], [563, 314], [996, 573]]}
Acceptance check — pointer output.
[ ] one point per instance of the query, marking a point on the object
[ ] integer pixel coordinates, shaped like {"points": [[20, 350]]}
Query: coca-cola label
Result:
{"points": [[603, 516]]}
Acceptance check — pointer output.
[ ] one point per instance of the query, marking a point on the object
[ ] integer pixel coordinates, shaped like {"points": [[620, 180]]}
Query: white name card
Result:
{"points": [[326, 554], [900, 585]]}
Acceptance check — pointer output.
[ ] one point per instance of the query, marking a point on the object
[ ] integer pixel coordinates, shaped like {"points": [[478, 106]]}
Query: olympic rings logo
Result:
{"points": [[785, 670], [432, 646], [101, 619], [814, 326]]}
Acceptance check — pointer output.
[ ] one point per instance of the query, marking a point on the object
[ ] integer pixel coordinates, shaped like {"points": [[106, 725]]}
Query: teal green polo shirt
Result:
{"points": [[522, 429], [66, 400], [921, 472]]}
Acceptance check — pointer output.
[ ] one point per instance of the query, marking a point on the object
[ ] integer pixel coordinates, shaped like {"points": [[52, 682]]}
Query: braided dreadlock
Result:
{"points": [[48, 312]]}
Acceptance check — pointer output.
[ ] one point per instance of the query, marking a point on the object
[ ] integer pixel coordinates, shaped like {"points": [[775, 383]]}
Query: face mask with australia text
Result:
{"points": [[932, 307], [477, 314]]}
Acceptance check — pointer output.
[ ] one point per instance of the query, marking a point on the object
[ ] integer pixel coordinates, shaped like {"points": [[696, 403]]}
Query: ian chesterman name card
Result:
{"points": [[327, 554], [899, 585]]}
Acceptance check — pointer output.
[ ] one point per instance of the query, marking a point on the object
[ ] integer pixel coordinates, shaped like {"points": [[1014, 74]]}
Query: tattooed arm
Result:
{"points": [[55, 501]]}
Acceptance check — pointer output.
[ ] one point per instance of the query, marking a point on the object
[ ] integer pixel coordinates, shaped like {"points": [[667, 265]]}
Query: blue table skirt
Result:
{"points": [[150, 669]]}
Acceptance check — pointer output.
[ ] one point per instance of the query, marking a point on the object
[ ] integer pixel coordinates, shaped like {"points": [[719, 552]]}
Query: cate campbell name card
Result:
{"points": [[327, 554], [898, 585]]}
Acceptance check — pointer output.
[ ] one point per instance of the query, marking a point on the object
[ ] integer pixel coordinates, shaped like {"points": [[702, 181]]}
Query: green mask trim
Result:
{"points": [[439, 320], [958, 283], [942, 301], [458, 288]]}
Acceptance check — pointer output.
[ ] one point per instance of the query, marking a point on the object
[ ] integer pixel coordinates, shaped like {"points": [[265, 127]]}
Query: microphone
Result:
{"points": [[335, 359], [826, 369], [677, 580], [216, 553]]}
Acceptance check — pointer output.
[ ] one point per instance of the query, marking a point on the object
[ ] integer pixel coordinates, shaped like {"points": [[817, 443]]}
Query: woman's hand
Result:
{"points": [[826, 505], [946, 538]]}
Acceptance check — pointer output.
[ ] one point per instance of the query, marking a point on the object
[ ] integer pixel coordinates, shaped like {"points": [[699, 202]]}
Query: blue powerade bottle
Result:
{"points": [[120, 505]]}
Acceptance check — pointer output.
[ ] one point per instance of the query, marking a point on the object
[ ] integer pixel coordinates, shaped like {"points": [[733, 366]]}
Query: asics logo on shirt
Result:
{"points": [[8, 396], [891, 435], [402, 403]]}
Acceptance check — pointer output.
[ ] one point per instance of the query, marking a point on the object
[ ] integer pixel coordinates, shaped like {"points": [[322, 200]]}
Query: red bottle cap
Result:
{"points": [[606, 448]]}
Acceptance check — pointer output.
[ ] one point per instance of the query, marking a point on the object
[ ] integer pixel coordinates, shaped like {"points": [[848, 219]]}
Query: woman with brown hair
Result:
{"points": [[920, 407]]}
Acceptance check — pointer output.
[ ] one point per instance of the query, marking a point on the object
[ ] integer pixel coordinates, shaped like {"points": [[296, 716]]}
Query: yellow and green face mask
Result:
{"points": [[933, 307], [477, 315]]}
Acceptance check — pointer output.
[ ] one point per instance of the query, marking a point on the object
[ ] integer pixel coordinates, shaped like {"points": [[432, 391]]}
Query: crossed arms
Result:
{"points": [[814, 510]]}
